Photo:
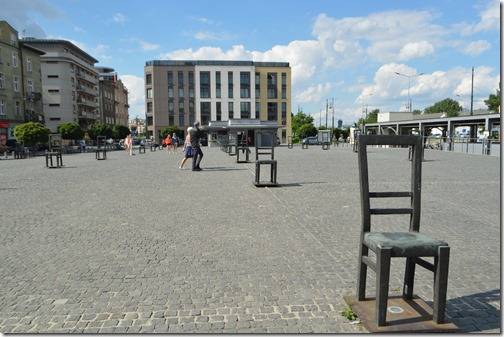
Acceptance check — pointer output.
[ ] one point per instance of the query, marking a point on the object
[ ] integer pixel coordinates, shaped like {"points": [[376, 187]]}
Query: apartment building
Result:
{"points": [[69, 83], [178, 93], [113, 100], [20, 82]]}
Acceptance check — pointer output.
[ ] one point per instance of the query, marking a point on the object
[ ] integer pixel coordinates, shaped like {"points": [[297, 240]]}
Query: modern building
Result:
{"points": [[20, 82], [178, 93], [69, 83]]}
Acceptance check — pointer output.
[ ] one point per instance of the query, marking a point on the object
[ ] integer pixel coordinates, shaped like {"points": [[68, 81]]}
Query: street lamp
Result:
{"points": [[409, 86]]}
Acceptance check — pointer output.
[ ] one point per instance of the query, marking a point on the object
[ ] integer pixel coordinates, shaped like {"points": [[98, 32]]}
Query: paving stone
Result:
{"points": [[104, 249]]}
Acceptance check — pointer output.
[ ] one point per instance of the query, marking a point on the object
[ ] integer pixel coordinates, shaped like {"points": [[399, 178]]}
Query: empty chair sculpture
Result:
{"points": [[406, 243]]}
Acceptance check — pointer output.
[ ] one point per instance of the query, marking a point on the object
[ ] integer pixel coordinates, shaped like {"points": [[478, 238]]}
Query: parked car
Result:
{"points": [[311, 141]]}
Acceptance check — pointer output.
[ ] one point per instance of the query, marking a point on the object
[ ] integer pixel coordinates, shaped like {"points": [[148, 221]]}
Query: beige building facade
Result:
{"points": [[20, 82], [178, 93]]}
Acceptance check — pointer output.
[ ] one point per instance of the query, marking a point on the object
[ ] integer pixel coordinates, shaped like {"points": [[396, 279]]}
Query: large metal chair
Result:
{"points": [[410, 244]]}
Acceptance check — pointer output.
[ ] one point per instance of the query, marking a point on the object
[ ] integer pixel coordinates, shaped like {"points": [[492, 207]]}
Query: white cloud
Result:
{"points": [[489, 20], [149, 46], [476, 48], [119, 18], [136, 95], [415, 49]]}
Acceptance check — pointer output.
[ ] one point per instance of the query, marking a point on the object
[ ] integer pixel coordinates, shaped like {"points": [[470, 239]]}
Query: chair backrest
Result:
{"points": [[55, 142], [415, 142]]}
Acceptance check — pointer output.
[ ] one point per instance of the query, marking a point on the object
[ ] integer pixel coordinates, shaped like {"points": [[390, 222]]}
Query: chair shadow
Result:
{"points": [[463, 311]]}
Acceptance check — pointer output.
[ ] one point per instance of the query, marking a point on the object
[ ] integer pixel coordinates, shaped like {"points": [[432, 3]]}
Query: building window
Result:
{"points": [[181, 120], [258, 109], [284, 113], [206, 110], [14, 59], [230, 84], [191, 120], [218, 84], [230, 109], [272, 111], [15, 83], [204, 84], [272, 85], [17, 109], [284, 85], [29, 85], [171, 120], [181, 92], [171, 107], [149, 107], [218, 110], [170, 78], [1, 80], [257, 85], [28, 64], [171, 94], [149, 93], [245, 110], [244, 85], [2, 107], [191, 78], [180, 75], [13, 39], [191, 108], [181, 106], [191, 92], [148, 79]]}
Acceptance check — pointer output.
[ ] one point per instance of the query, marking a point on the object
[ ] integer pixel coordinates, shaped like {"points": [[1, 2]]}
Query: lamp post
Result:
{"points": [[409, 86], [363, 100]]}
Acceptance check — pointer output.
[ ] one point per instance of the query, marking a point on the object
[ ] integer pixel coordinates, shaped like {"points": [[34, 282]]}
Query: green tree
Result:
{"points": [[97, 129], [372, 117], [71, 130], [493, 101], [120, 131], [448, 106], [32, 133], [169, 130], [298, 120], [307, 130]]}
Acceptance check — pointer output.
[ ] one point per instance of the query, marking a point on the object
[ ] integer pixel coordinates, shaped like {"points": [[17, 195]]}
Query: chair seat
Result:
{"points": [[403, 244]]}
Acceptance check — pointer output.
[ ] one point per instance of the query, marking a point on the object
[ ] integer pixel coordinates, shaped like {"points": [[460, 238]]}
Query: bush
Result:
{"points": [[32, 133]]}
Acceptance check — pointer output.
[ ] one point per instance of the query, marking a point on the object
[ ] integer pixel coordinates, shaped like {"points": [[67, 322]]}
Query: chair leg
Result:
{"points": [[409, 278], [441, 284], [362, 274], [383, 256]]}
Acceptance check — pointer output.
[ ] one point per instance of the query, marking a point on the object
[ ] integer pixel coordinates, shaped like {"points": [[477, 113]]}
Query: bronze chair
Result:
{"points": [[411, 245]]}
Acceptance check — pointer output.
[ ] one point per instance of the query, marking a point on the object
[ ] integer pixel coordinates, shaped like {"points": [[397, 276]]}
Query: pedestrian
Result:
{"points": [[195, 136], [187, 150], [168, 142], [174, 140], [128, 145], [83, 145]]}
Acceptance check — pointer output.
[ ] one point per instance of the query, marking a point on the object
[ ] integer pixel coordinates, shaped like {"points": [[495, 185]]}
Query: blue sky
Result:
{"points": [[344, 51]]}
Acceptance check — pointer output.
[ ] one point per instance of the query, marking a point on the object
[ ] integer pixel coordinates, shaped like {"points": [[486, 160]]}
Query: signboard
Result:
{"points": [[4, 125]]}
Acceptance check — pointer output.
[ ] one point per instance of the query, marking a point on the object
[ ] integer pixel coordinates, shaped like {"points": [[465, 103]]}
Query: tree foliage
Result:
{"points": [[169, 130], [71, 130], [448, 106], [120, 131], [493, 101], [32, 133], [97, 129], [307, 130], [298, 120]]}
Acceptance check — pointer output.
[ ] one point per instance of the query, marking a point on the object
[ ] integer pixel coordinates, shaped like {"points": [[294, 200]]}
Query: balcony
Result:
{"points": [[33, 96]]}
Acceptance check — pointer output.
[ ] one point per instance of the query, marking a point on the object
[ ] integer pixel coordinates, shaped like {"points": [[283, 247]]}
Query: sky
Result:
{"points": [[339, 51]]}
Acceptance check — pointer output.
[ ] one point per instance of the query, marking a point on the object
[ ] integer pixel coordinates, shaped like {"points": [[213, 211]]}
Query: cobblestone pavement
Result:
{"points": [[132, 244]]}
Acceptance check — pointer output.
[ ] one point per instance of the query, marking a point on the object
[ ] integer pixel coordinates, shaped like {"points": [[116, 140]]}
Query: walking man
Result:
{"points": [[196, 134]]}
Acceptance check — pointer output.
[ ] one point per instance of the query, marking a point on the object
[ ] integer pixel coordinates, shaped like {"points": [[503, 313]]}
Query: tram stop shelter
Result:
{"points": [[234, 130]]}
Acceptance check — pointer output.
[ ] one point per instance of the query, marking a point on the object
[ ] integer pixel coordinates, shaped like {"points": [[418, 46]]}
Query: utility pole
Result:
{"points": [[472, 90], [326, 103], [333, 113]]}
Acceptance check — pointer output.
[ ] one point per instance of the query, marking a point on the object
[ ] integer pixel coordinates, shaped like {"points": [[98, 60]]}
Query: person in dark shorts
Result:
{"points": [[195, 136]]}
